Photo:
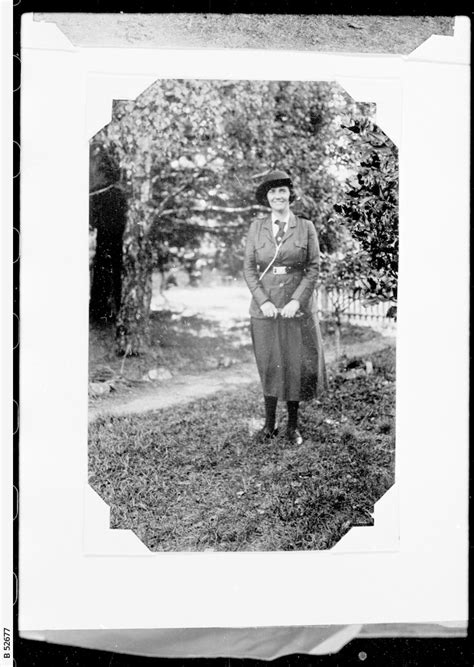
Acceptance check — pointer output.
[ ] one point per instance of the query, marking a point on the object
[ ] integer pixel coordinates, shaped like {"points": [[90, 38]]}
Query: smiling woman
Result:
{"points": [[281, 268]]}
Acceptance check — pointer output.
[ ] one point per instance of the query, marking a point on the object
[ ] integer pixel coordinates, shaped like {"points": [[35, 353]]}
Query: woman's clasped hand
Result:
{"points": [[290, 310]]}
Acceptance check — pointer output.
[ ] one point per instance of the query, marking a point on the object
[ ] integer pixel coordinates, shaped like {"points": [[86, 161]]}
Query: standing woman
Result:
{"points": [[281, 268]]}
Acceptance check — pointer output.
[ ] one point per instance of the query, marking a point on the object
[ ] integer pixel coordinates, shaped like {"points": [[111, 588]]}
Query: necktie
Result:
{"points": [[281, 230]]}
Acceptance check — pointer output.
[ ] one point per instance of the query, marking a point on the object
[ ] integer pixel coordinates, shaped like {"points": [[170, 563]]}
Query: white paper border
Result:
{"points": [[426, 581]]}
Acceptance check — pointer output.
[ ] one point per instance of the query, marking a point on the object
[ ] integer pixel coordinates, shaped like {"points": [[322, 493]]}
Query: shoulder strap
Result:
{"points": [[273, 260]]}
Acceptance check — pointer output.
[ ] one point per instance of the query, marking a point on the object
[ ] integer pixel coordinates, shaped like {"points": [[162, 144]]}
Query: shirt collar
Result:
{"points": [[284, 219]]}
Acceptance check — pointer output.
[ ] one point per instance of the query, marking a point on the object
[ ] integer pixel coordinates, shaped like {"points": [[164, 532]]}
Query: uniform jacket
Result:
{"points": [[300, 249]]}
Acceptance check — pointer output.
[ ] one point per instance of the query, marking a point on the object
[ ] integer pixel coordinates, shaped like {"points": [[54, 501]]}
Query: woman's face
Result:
{"points": [[279, 198]]}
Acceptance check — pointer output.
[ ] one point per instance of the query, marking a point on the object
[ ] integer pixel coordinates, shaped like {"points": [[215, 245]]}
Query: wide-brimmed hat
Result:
{"points": [[274, 179]]}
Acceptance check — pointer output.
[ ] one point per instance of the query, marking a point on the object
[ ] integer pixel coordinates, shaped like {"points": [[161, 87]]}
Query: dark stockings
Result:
{"points": [[270, 412], [292, 413]]}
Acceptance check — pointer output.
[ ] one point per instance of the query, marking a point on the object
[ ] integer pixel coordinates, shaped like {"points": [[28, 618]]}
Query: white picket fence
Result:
{"points": [[354, 310]]}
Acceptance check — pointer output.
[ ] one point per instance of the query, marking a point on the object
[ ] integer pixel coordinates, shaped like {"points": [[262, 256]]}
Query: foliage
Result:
{"points": [[191, 477], [189, 154], [369, 208]]}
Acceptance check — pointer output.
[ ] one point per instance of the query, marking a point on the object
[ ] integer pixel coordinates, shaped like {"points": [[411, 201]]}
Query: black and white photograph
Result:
{"points": [[238, 293], [243, 296]]}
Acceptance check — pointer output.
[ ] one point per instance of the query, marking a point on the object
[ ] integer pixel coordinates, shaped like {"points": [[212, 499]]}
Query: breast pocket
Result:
{"points": [[301, 250], [263, 252]]}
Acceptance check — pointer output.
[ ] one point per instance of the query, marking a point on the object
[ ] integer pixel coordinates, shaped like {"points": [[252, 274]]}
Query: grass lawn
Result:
{"points": [[191, 478]]}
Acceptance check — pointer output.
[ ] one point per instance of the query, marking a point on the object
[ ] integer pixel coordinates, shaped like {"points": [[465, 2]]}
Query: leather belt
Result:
{"points": [[280, 270]]}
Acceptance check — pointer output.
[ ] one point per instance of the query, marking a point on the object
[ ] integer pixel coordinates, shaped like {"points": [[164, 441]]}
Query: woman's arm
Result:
{"points": [[251, 274], [308, 283]]}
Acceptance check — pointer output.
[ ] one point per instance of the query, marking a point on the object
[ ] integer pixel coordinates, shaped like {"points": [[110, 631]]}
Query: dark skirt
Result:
{"points": [[290, 357]]}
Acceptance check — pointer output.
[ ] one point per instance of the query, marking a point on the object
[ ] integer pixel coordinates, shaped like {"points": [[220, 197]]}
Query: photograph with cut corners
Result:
{"points": [[243, 297]]}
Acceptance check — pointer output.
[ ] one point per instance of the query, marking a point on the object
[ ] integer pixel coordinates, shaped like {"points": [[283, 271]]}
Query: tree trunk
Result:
{"points": [[108, 216], [133, 331], [133, 321]]}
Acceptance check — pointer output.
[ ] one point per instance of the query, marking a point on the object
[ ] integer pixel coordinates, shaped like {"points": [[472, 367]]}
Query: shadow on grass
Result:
{"points": [[192, 478], [184, 344], [191, 344]]}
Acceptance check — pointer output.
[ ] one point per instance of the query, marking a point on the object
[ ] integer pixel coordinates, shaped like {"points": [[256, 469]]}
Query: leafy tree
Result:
{"points": [[366, 262], [369, 208], [190, 153], [171, 144]]}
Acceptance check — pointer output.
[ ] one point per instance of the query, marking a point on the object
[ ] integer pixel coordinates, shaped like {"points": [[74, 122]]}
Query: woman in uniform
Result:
{"points": [[281, 268]]}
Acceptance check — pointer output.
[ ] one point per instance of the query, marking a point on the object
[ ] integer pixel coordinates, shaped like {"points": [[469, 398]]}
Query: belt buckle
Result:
{"points": [[279, 270]]}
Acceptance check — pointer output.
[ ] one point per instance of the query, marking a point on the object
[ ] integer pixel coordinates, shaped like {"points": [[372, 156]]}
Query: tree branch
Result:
{"points": [[218, 209], [235, 209], [207, 228], [109, 187], [171, 196], [184, 186]]}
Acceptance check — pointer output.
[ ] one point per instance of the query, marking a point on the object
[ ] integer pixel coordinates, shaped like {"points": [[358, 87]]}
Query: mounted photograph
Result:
{"points": [[243, 260], [232, 403]]}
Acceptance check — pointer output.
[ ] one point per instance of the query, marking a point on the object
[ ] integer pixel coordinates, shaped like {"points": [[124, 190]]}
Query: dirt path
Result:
{"points": [[185, 388]]}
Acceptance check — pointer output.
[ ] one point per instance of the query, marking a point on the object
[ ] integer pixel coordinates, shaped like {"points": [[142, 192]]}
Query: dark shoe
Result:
{"points": [[266, 434], [294, 436]]}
